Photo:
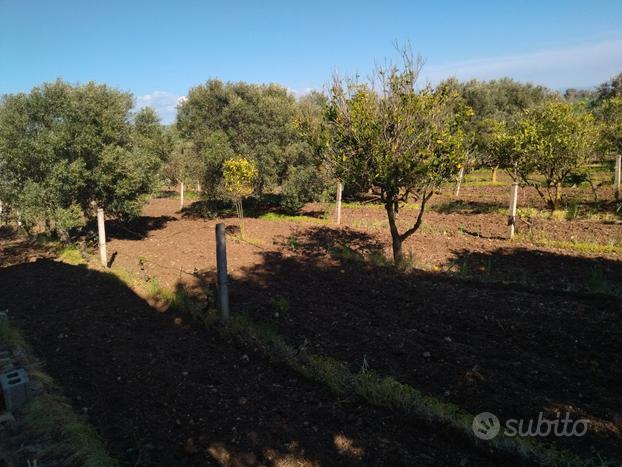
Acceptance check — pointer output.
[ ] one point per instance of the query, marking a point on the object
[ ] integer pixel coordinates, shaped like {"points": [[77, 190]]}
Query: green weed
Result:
{"points": [[52, 417], [597, 283], [71, 254], [280, 303], [276, 217]]}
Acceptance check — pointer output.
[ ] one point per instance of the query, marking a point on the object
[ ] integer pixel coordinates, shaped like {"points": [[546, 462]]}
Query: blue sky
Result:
{"points": [[158, 50]]}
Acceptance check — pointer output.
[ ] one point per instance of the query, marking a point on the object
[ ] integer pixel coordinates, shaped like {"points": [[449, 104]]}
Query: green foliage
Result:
{"points": [[70, 254], [9, 335], [254, 120], [395, 138], [64, 148], [610, 114], [493, 102], [552, 140], [609, 89], [239, 175], [52, 417], [123, 179], [302, 186]]}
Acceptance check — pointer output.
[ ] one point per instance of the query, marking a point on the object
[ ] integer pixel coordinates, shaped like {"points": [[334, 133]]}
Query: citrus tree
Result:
{"points": [[390, 136], [551, 142], [610, 113], [239, 176]]}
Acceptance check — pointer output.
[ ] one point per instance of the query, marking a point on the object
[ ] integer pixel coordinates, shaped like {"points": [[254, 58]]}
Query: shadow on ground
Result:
{"points": [[541, 270], [164, 392], [136, 229], [512, 350]]}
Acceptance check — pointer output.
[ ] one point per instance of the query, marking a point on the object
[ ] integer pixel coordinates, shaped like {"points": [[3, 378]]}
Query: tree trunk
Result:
{"points": [[558, 195], [396, 239], [494, 174]]}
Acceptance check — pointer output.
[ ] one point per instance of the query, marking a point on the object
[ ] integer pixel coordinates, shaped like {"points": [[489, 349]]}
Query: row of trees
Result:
{"points": [[67, 149], [222, 121], [400, 141]]}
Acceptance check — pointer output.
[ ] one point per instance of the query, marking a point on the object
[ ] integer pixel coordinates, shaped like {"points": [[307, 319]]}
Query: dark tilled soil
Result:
{"points": [[510, 350], [163, 392]]}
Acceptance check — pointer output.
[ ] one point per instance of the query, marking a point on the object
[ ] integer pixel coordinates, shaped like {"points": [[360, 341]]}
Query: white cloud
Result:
{"points": [[298, 93], [585, 64], [165, 103]]}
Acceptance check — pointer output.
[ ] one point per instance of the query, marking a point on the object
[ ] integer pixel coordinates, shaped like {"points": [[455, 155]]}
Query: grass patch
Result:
{"points": [[50, 416], [277, 217], [67, 438], [70, 254], [121, 275], [9, 336], [178, 298]]}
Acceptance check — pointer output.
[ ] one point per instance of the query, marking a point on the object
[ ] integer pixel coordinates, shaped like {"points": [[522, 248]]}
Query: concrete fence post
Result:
{"points": [[513, 204], [459, 181], [339, 192], [222, 279], [101, 233]]}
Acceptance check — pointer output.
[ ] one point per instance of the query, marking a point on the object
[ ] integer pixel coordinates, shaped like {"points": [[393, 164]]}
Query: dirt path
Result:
{"points": [[165, 393]]}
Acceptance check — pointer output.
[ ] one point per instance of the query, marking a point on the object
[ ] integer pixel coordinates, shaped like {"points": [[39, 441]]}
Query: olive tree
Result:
{"points": [[65, 149], [395, 138]]}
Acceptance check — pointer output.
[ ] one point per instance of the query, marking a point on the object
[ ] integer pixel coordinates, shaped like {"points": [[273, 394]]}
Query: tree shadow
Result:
{"points": [[318, 241], [459, 206], [513, 350], [540, 270], [163, 390], [136, 229]]}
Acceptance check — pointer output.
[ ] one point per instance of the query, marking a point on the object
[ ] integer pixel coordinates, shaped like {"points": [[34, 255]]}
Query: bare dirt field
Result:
{"points": [[511, 327]]}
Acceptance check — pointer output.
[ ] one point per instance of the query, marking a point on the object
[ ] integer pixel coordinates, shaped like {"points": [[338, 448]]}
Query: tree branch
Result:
{"points": [[414, 228]]}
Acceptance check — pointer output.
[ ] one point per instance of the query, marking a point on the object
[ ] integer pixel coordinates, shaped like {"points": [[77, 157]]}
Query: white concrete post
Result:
{"points": [[339, 192], [513, 203], [101, 231], [459, 181]]}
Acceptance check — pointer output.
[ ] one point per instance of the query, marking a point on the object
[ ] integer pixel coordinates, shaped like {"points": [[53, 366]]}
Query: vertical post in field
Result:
{"points": [[339, 191], [181, 195], [222, 280], [101, 231], [513, 203], [616, 183], [459, 181]]}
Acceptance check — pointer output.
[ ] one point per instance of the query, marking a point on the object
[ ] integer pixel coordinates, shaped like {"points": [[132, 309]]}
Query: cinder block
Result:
{"points": [[15, 388]]}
